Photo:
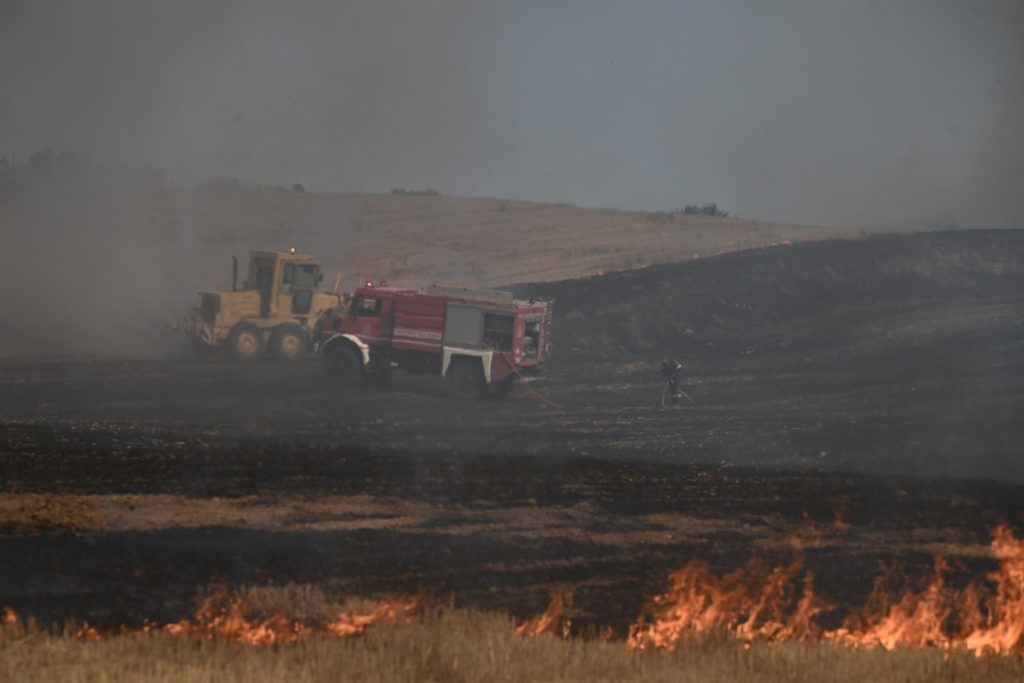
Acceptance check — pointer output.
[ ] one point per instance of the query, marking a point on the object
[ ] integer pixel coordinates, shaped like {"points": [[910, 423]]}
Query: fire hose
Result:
{"points": [[544, 399], [679, 392], [539, 396]]}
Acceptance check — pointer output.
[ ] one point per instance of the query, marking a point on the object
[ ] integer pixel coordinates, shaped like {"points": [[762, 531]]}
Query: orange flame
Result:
{"points": [[756, 603], [553, 620], [753, 603], [222, 618], [1001, 630], [940, 616], [387, 611], [219, 617]]}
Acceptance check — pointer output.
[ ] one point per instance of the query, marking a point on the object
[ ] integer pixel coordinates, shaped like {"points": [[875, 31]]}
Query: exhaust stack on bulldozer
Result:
{"points": [[274, 311]]}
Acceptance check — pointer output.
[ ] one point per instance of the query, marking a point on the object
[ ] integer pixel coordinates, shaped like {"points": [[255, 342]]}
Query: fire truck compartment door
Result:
{"points": [[463, 326]]}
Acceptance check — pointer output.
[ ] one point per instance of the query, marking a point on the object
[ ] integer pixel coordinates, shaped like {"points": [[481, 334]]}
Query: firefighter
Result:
{"points": [[672, 373]]}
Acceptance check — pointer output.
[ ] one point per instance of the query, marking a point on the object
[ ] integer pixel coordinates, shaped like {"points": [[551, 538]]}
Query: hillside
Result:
{"points": [[815, 296], [126, 249], [409, 239]]}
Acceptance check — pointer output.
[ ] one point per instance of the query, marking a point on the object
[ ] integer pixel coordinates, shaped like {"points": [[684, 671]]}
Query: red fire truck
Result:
{"points": [[480, 340]]}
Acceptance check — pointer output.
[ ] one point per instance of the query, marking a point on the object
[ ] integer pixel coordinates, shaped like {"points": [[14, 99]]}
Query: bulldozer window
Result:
{"points": [[300, 276], [302, 300], [263, 279], [264, 275], [365, 306], [305, 276]]}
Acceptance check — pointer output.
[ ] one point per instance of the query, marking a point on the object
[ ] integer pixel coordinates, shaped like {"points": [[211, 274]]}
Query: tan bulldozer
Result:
{"points": [[272, 313]]}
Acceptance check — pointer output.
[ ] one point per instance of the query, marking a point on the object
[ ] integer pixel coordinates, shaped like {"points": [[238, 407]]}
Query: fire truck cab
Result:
{"points": [[480, 340]]}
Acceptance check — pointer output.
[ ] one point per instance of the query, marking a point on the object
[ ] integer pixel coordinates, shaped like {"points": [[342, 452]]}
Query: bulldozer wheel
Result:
{"points": [[466, 381], [287, 342], [342, 366], [246, 342]]}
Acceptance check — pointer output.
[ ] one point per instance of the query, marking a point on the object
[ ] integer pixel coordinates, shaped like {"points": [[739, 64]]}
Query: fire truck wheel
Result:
{"points": [[503, 388], [287, 342], [246, 342], [466, 381], [342, 366]]}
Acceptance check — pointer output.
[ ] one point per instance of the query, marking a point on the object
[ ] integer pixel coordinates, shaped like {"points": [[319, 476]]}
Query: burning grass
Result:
{"points": [[468, 646], [761, 621], [553, 620], [778, 604], [264, 617]]}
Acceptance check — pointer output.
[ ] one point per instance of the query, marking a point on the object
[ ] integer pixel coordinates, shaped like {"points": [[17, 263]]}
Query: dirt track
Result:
{"points": [[130, 484]]}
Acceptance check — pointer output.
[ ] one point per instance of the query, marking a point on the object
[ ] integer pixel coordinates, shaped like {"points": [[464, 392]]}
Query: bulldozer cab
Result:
{"points": [[285, 282], [274, 310]]}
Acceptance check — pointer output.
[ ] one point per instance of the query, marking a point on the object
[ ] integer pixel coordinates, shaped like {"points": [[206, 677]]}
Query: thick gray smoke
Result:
{"points": [[869, 115], [865, 114], [94, 259]]}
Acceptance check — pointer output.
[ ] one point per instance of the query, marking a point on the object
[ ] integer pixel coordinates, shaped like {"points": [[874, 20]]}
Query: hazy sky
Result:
{"points": [[873, 114]]}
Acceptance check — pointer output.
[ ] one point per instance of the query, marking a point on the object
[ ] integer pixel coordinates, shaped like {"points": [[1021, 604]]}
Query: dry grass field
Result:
{"points": [[465, 645], [412, 239], [137, 246], [141, 217]]}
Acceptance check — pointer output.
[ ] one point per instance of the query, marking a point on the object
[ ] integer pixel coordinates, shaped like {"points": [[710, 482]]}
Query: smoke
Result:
{"points": [[870, 114], [321, 93], [95, 259]]}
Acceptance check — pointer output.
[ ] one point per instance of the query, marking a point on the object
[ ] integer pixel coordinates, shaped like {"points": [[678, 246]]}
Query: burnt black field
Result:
{"points": [[871, 391]]}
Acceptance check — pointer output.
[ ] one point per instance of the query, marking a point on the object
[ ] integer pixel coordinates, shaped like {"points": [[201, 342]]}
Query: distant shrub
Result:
{"points": [[46, 163], [709, 209], [298, 187], [429, 192]]}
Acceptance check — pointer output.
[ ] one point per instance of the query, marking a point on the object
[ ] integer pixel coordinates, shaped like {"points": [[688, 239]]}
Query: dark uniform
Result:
{"points": [[672, 373]]}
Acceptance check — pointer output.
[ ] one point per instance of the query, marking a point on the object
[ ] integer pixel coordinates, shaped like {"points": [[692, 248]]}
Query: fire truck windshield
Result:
{"points": [[531, 340], [366, 306]]}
